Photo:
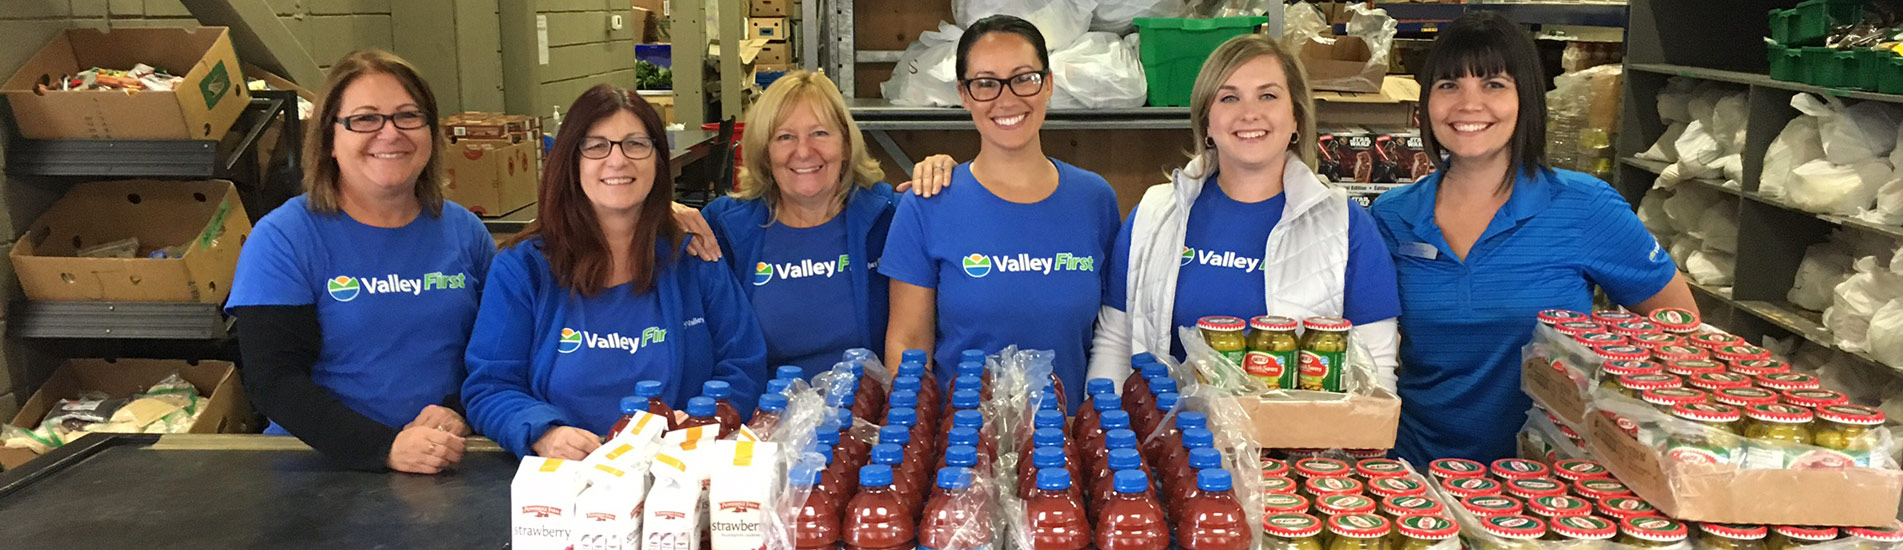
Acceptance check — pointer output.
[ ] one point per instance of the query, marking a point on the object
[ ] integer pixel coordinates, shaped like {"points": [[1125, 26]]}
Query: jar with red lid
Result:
{"points": [[1572, 528], [1655, 341], [1597, 339], [1786, 381], [1518, 468], [1736, 353], [1811, 399], [1755, 367], [1274, 467], [1791, 537], [1318, 487], [1629, 329], [1386, 487], [1576, 328], [1652, 532], [1728, 536], [1364, 454], [1486, 506], [1682, 353], [1424, 532], [1321, 467], [1278, 485], [1398, 507], [1551, 507], [1777, 434], [1552, 317], [1335, 505], [1665, 398], [1529, 488], [1874, 538], [1449, 468], [1359, 532], [1715, 340], [1614, 316], [1621, 351], [1675, 320], [1600, 488], [1718, 443], [1519, 532], [1273, 504], [1292, 531], [1845, 431], [1622, 508], [1634, 385], [1574, 469], [1714, 381], [1692, 367], [1745, 397], [1463, 487], [1376, 468]]}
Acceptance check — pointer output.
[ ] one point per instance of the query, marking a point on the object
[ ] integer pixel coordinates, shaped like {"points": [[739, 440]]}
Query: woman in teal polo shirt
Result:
{"points": [[1492, 238]]}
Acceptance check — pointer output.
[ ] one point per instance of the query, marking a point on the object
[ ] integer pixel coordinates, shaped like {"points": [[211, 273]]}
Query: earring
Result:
{"points": [[1295, 139], [1209, 142]]}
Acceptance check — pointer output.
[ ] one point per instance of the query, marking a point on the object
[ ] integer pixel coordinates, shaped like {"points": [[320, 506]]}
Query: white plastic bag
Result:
{"points": [[1732, 167], [1856, 301], [1117, 16], [1889, 207], [1652, 212], [1886, 334], [1824, 187], [1727, 122], [1710, 267], [1098, 71], [1675, 100], [1683, 247], [1666, 148], [1825, 266], [1853, 134], [1698, 153], [1719, 231], [1797, 144], [1061, 21], [926, 75], [1687, 207], [1302, 21]]}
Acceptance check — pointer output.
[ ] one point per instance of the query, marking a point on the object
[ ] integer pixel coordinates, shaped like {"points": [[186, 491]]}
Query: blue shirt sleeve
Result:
{"points": [[269, 271], [906, 257], [739, 344], [497, 393], [1116, 287], [482, 248], [1372, 293], [1618, 254]]}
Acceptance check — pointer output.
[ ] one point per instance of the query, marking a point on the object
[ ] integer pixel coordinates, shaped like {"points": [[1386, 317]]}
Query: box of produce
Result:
{"points": [[1305, 384]]}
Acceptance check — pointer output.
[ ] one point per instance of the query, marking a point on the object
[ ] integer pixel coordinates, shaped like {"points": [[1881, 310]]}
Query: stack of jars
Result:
{"points": [[1371, 504], [1269, 349], [1761, 415]]}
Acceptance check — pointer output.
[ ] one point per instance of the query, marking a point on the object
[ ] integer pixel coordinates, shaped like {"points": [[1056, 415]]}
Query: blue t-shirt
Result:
{"points": [[803, 295], [1223, 262], [1558, 235], [603, 345], [1008, 273], [395, 305]]}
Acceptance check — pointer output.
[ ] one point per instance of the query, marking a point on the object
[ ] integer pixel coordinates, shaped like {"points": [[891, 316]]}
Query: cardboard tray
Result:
{"points": [[206, 215], [1357, 422], [204, 105], [226, 408]]}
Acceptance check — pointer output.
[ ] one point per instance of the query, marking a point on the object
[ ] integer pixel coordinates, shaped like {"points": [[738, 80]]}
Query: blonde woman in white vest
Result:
{"points": [[1246, 228]]}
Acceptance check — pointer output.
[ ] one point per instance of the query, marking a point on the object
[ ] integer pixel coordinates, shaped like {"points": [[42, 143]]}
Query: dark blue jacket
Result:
{"points": [[740, 226]]}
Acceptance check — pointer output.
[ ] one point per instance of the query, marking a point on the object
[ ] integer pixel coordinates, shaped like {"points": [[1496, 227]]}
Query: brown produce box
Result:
{"points": [[767, 28], [492, 126], [1392, 107], [226, 408], [492, 177], [770, 8], [202, 224], [1348, 422], [1343, 65], [775, 53], [202, 107]]}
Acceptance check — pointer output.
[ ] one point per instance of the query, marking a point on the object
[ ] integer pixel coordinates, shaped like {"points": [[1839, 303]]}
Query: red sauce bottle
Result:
{"points": [[980, 380], [1211, 519], [1168, 448], [1144, 420], [928, 391], [1130, 518], [924, 435], [1043, 420], [720, 391], [1049, 458], [651, 390], [1180, 476], [965, 456], [893, 456], [971, 437], [958, 516], [1095, 450], [817, 524], [869, 396], [1055, 516], [1120, 460], [855, 450], [915, 468], [772, 405], [1115, 440], [960, 401], [1199, 459], [1139, 395], [905, 396], [836, 487], [701, 411], [877, 518], [1092, 407]]}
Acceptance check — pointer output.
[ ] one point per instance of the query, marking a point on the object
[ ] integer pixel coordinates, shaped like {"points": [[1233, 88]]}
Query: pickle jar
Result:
{"points": [[1624, 508], [1463, 487], [1293, 531], [1727, 536], [1610, 371], [1664, 399], [1359, 532], [1600, 489], [1274, 351], [1734, 354], [1634, 385], [1364, 454], [1344, 505], [1553, 507], [1377, 468], [1718, 444], [1450, 468], [1621, 351], [1570, 528], [1674, 320], [1298, 454], [1655, 341], [1576, 328], [1790, 537], [1715, 340], [1387, 487], [1274, 467], [1630, 329], [1553, 317], [1574, 469], [1319, 487], [1692, 367], [1651, 532], [1278, 485], [1787, 381], [1812, 399], [1714, 381], [1779, 423], [1324, 347], [1669, 354], [1599, 338], [1518, 532], [1876, 538], [1225, 335], [1310, 468], [1277, 504], [1518, 468], [1614, 316], [1423, 532], [1486, 506], [1530, 488], [1844, 429], [1744, 398], [1404, 506], [1755, 367]]}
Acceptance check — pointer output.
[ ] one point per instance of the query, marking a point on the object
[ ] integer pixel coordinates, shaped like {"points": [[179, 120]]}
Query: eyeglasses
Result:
{"points": [[633, 148], [1022, 85], [373, 122]]}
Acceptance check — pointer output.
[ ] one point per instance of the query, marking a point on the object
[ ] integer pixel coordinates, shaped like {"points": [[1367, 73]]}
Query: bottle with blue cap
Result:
{"points": [[869, 393], [651, 391], [1054, 513], [1178, 486], [702, 411], [772, 406], [901, 399], [1162, 424], [816, 525], [964, 456], [720, 391], [1101, 481], [960, 401], [1136, 389], [922, 436], [1145, 416], [789, 373], [1168, 448], [853, 446], [1130, 517], [876, 517], [1094, 407], [927, 410], [632, 407], [1046, 458], [1095, 449], [980, 380], [778, 386], [893, 455], [1041, 420], [928, 390], [956, 517], [1211, 518], [967, 436]]}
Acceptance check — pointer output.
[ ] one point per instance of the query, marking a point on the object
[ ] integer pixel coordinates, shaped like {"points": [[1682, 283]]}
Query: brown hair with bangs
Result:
{"points": [[572, 239], [321, 172]]}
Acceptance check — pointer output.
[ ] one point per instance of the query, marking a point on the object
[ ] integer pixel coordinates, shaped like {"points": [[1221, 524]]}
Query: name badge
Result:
{"points": [[1420, 250]]}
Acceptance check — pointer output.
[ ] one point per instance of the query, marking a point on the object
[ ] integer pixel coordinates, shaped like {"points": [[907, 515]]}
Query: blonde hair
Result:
{"points": [[771, 110], [1222, 63], [320, 168]]}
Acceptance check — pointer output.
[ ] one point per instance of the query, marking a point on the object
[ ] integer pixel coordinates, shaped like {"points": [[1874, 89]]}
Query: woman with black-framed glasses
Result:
{"points": [[356, 299], [1012, 252]]}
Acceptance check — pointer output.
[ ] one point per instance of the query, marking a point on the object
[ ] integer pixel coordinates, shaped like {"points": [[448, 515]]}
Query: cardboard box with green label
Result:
{"points": [[202, 107]]}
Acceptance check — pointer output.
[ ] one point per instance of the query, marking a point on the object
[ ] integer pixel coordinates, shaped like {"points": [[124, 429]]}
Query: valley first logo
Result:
{"points": [[979, 265], [764, 273], [344, 288], [573, 340], [1226, 259]]}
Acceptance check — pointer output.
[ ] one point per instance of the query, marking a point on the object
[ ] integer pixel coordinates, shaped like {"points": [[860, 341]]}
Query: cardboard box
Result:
{"points": [[608, 512], [203, 106], [644, 25], [775, 53], [657, 7], [205, 217], [542, 503], [226, 410], [767, 28], [770, 8], [492, 126], [1342, 65], [268, 141], [663, 102], [1722, 493], [1345, 422], [1556, 387], [1392, 107], [1400, 157], [492, 177]]}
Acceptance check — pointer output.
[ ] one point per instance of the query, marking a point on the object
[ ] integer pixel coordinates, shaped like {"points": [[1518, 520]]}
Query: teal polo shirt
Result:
{"points": [[1463, 322]]}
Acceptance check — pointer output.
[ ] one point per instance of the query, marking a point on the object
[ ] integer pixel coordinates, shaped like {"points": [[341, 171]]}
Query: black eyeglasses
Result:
{"points": [[633, 148], [373, 122], [1022, 85]]}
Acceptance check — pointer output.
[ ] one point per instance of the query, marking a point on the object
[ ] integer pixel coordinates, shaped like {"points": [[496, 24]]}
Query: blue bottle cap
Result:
{"points": [[1125, 459], [1096, 386], [777, 385], [771, 402], [1131, 481], [1053, 479], [826, 437], [902, 416], [972, 356], [824, 450], [845, 419], [965, 399], [969, 368], [1047, 437], [968, 419], [962, 436], [1191, 420], [1145, 358], [1162, 384], [789, 372], [875, 475], [1107, 402], [842, 400], [908, 368], [856, 368], [902, 399], [804, 476], [1047, 457], [887, 453], [1048, 401], [1213, 479], [954, 478], [1120, 439], [905, 382], [1167, 400], [1198, 438], [895, 434], [1114, 420], [913, 356], [1048, 419], [633, 404], [700, 406], [1204, 457], [966, 382], [716, 389], [857, 354], [1153, 371], [648, 388], [961, 455]]}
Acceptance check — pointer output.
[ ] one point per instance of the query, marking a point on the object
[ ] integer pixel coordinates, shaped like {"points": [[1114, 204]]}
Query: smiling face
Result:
{"points": [[617, 185], [1010, 121], [388, 159], [1253, 118], [1474, 117], [807, 153]]}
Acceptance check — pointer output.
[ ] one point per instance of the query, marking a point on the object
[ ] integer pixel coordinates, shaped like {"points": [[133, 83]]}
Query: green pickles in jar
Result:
{"points": [[1359, 532], [1651, 532], [1845, 431], [1423, 532], [1778, 434], [1725, 536], [1274, 351], [1793, 537], [1718, 444], [1292, 531], [1224, 334], [1324, 350]]}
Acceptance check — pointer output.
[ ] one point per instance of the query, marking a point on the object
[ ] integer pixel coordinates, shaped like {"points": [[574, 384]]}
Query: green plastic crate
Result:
{"points": [[1787, 64], [1815, 59], [1838, 71], [1173, 51], [1816, 17], [1892, 80], [1871, 64], [1783, 25]]}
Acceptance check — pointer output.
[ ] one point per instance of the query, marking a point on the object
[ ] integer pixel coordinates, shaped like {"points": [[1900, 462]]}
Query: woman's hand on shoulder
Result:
{"points": [[703, 245], [930, 176]]}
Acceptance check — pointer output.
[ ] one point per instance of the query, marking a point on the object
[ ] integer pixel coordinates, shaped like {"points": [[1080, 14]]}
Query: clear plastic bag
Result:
{"points": [[1098, 71], [926, 75], [1061, 21], [1116, 16], [1886, 334]]}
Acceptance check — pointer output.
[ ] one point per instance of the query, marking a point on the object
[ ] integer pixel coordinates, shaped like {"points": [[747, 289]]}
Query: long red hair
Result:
{"points": [[571, 234]]}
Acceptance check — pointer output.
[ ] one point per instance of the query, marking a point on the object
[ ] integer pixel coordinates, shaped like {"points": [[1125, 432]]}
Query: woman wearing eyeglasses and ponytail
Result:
{"points": [[356, 299], [1012, 252]]}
